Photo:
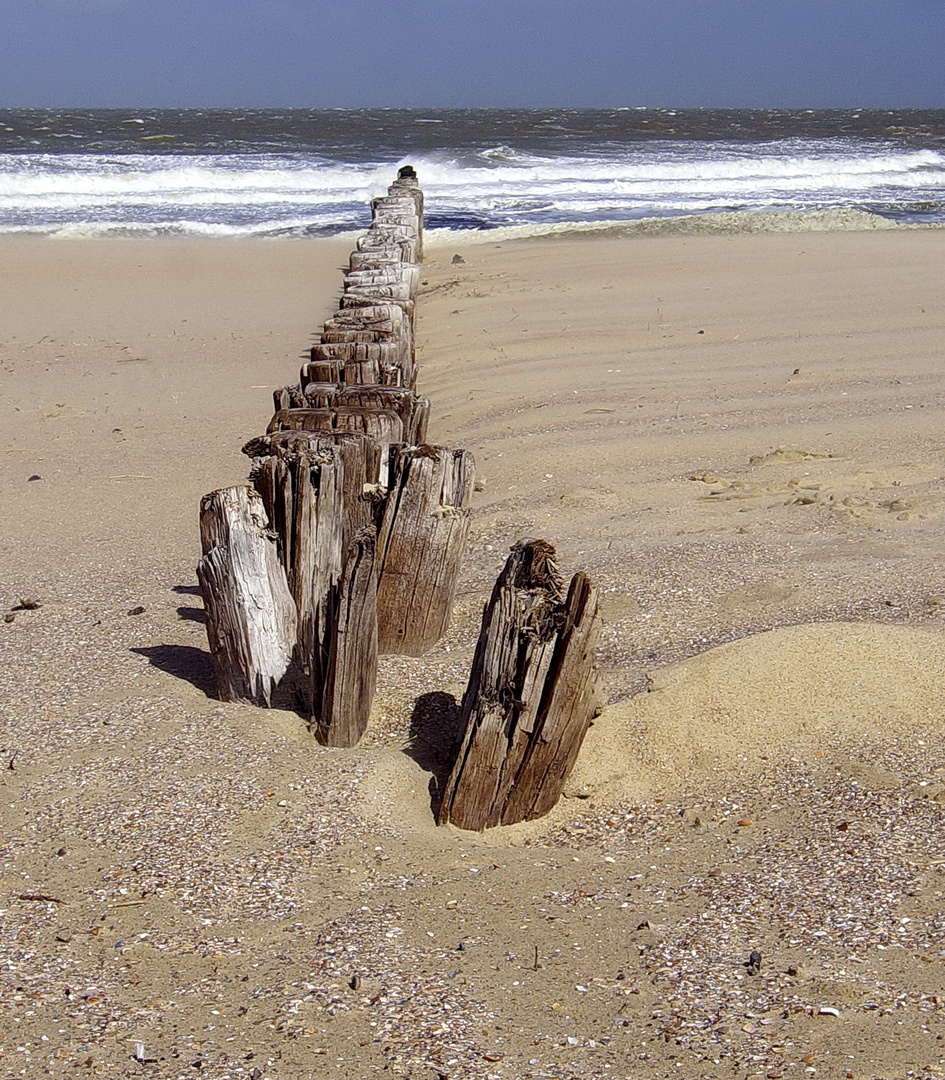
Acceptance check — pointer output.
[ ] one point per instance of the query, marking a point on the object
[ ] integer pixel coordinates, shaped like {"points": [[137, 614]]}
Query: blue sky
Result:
{"points": [[443, 53]]}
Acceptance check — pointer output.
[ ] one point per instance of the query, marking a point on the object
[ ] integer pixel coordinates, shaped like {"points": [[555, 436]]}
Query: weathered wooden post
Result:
{"points": [[420, 545], [251, 617], [350, 680], [531, 695]]}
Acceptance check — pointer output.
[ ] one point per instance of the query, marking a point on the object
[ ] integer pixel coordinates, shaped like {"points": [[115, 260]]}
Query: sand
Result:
{"points": [[737, 436]]}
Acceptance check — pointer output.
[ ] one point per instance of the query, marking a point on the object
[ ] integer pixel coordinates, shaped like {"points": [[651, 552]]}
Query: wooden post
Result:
{"points": [[381, 352], [351, 361], [351, 674], [531, 695], [384, 427], [304, 419], [251, 617], [405, 274], [398, 240], [420, 546], [377, 292], [413, 411], [381, 260], [303, 483], [322, 369], [388, 320], [322, 399], [279, 457], [315, 485]]}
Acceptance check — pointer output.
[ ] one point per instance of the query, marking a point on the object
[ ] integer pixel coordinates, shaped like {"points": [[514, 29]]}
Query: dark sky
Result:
{"points": [[429, 53]]}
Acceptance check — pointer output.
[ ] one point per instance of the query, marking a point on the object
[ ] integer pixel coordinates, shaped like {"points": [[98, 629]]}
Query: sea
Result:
{"points": [[312, 172]]}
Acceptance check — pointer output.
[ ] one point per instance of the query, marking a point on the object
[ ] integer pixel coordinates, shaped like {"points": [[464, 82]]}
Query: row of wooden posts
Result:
{"points": [[348, 543]]}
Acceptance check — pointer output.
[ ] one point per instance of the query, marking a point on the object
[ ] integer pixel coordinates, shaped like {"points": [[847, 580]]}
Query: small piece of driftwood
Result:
{"points": [[420, 546], [531, 695], [251, 616]]}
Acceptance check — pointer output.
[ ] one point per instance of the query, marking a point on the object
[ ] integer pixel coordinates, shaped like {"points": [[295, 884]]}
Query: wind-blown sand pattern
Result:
{"points": [[738, 436]]}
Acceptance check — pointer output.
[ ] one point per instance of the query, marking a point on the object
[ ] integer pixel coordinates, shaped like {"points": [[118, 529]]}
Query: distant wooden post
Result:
{"points": [[531, 695], [251, 617], [420, 546]]}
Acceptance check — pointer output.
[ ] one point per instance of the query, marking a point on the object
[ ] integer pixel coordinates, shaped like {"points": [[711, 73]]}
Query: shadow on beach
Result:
{"points": [[434, 730], [183, 662]]}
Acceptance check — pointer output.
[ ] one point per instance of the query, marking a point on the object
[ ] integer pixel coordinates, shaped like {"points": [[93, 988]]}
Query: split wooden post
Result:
{"points": [[251, 616], [351, 675], [420, 546], [302, 483], [314, 483], [531, 695]]}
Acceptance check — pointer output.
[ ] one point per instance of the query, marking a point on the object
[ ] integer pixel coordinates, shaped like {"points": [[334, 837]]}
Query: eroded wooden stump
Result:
{"points": [[251, 616], [531, 695], [301, 480], [421, 542], [344, 706]]}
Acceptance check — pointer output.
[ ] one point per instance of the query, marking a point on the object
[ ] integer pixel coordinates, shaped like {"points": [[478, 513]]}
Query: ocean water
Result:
{"points": [[312, 172]]}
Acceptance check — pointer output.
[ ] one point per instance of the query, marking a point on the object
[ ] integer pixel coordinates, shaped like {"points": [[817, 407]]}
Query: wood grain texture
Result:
{"points": [[531, 694], [380, 260], [302, 482], [421, 541], [251, 616], [396, 240], [351, 673], [383, 427], [412, 410]]}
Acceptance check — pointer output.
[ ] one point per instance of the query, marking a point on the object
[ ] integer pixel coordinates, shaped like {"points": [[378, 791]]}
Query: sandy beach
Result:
{"points": [[737, 435]]}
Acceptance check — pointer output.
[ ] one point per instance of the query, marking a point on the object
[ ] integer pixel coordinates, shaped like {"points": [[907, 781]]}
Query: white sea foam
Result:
{"points": [[487, 188]]}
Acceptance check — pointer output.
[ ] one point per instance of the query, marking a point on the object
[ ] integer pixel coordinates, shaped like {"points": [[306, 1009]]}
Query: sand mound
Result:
{"points": [[802, 694], [786, 694]]}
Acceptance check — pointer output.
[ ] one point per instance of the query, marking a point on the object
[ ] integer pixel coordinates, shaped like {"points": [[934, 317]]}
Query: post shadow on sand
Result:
{"points": [[187, 613], [183, 662], [434, 733]]}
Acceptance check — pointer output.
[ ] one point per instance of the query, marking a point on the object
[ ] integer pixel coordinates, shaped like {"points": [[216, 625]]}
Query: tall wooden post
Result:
{"points": [[251, 617], [421, 542]]}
